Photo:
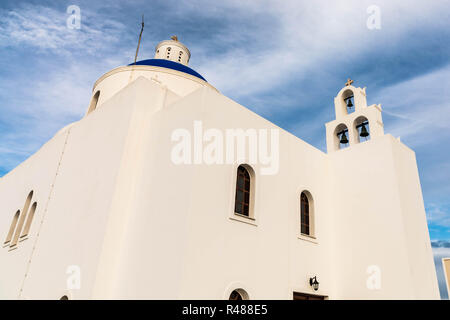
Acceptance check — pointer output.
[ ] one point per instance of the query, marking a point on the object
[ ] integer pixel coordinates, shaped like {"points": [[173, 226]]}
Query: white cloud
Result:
{"points": [[308, 36], [420, 122], [57, 90], [437, 215], [46, 29]]}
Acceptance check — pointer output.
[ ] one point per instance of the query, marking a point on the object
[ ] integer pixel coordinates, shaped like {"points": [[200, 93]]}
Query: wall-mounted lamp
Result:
{"points": [[314, 283]]}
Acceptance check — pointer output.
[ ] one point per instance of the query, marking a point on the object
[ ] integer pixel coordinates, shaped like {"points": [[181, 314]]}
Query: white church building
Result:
{"points": [[167, 189]]}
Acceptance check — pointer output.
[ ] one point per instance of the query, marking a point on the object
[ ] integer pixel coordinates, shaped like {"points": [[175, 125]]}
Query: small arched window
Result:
{"points": [[305, 215], [94, 102], [243, 192], [12, 227], [27, 227], [64, 298], [238, 294]]}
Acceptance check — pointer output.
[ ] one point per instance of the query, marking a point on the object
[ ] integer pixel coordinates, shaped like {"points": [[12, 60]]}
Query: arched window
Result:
{"points": [[94, 102], [168, 52], [21, 220], [12, 227], [179, 56], [243, 192], [304, 214], [238, 294], [26, 229], [64, 298], [307, 218]]}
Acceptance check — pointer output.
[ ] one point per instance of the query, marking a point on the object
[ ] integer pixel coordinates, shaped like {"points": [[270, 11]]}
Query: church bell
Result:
{"points": [[349, 103], [364, 132], [344, 139]]}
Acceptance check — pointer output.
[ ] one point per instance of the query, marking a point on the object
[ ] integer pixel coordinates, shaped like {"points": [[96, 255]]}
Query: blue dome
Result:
{"points": [[169, 65]]}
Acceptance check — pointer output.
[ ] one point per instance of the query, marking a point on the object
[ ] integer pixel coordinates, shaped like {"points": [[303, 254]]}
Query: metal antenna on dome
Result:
{"points": [[139, 42]]}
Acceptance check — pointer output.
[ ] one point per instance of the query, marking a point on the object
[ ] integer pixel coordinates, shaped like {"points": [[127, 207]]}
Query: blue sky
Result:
{"points": [[285, 60]]}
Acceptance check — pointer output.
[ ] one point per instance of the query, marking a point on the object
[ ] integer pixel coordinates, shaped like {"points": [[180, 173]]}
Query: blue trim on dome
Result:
{"points": [[169, 65]]}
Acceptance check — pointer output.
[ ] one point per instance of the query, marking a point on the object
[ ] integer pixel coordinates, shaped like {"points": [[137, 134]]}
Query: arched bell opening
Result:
{"points": [[349, 101], [362, 129], [341, 137]]}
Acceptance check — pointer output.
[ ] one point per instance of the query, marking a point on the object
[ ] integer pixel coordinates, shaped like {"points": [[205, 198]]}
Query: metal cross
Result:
{"points": [[349, 82]]}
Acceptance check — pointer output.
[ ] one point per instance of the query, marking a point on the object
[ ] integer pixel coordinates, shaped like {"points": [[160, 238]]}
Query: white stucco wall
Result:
{"points": [[140, 226], [378, 209], [202, 252]]}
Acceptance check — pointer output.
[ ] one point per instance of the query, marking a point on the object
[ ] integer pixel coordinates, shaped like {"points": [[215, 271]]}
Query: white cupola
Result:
{"points": [[173, 50]]}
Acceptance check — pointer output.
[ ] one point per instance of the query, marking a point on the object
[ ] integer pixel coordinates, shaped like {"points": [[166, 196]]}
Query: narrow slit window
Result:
{"points": [[18, 229], [94, 102], [26, 230], [12, 227]]}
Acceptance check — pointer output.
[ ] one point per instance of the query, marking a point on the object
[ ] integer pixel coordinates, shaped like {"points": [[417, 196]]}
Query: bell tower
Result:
{"points": [[355, 121]]}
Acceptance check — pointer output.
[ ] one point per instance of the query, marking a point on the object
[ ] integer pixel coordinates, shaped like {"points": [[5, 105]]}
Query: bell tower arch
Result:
{"points": [[355, 121]]}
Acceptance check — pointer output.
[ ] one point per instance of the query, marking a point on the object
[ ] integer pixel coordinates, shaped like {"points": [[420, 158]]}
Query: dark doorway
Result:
{"points": [[305, 296]]}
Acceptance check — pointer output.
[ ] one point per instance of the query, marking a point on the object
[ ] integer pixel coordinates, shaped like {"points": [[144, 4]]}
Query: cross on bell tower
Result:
{"points": [[353, 126]]}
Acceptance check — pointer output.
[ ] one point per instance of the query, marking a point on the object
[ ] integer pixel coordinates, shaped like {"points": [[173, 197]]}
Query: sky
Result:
{"points": [[285, 60]]}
